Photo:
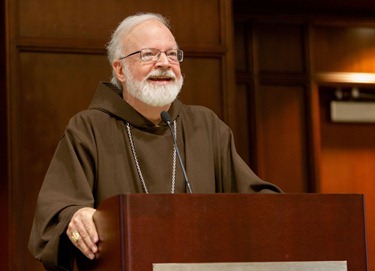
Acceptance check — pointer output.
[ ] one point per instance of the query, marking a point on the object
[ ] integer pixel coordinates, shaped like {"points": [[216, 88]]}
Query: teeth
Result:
{"points": [[160, 78]]}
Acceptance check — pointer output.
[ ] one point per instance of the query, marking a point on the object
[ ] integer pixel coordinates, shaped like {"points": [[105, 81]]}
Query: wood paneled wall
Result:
{"points": [[56, 55], [292, 140], [347, 150], [52, 55], [272, 76]]}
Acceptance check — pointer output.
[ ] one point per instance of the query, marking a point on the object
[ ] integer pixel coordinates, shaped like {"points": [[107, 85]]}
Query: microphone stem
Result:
{"points": [[179, 158]]}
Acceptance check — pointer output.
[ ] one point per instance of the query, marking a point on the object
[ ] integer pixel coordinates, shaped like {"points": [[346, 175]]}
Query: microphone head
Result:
{"points": [[165, 117]]}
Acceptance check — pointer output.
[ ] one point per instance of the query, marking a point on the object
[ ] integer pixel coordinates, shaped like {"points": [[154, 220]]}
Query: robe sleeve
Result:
{"points": [[67, 187], [237, 175]]}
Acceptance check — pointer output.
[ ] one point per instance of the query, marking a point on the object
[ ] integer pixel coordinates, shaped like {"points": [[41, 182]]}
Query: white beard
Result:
{"points": [[150, 94]]}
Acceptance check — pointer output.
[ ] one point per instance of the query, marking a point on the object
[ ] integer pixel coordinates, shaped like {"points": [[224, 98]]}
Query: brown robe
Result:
{"points": [[94, 161]]}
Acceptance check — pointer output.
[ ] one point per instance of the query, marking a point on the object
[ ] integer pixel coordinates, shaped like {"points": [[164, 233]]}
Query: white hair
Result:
{"points": [[115, 45]]}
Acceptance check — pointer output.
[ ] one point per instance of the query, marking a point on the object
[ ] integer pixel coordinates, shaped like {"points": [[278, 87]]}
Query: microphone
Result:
{"points": [[167, 119]]}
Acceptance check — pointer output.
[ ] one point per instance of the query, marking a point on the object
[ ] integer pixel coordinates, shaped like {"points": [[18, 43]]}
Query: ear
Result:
{"points": [[119, 71]]}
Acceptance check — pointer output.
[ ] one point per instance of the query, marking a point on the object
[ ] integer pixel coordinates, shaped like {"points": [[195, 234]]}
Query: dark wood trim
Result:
{"points": [[94, 46], [4, 221], [228, 69], [15, 185], [98, 46]]}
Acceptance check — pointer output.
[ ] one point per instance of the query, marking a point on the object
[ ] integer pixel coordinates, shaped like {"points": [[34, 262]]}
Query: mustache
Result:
{"points": [[161, 73]]}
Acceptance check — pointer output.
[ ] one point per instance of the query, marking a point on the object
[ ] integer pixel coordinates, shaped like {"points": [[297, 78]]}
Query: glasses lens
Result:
{"points": [[149, 54], [180, 55], [175, 55]]}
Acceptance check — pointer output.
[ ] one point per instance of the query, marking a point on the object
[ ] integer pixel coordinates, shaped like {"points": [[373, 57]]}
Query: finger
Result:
{"points": [[90, 228], [86, 237], [80, 243]]}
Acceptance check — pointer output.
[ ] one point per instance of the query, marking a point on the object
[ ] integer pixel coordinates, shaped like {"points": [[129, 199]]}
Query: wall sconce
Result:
{"points": [[353, 106]]}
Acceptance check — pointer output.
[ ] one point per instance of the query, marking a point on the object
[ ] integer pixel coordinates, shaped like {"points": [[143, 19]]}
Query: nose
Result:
{"points": [[163, 60]]}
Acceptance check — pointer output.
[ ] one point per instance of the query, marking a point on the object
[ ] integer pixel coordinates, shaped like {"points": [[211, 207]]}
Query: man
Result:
{"points": [[121, 145]]}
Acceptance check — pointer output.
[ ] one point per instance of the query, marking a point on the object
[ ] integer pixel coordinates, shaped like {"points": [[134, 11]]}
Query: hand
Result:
{"points": [[82, 232]]}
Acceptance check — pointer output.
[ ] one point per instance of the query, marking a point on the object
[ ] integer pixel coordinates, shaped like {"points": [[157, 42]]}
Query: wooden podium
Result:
{"points": [[137, 230]]}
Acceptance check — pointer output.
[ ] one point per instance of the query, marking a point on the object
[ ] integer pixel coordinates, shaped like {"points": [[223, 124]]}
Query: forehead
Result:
{"points": [[150, 34]]}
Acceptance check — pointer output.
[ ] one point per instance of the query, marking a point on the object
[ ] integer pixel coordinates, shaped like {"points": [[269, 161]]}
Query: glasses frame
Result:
{"points": [[179, 52]]}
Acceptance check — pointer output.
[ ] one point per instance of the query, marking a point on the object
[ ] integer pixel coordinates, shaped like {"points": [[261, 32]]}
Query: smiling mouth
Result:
{"points": [[160, 78]]}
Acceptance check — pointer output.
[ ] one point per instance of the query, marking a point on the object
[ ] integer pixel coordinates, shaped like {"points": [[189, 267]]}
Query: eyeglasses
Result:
{"points": [[152, 54]]}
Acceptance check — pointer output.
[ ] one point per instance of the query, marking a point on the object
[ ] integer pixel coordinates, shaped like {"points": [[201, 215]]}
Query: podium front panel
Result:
{"points": [[138, 230]]}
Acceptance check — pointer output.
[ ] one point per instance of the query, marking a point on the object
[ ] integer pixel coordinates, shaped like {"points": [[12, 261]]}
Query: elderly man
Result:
{"points": [[121, 145]]}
